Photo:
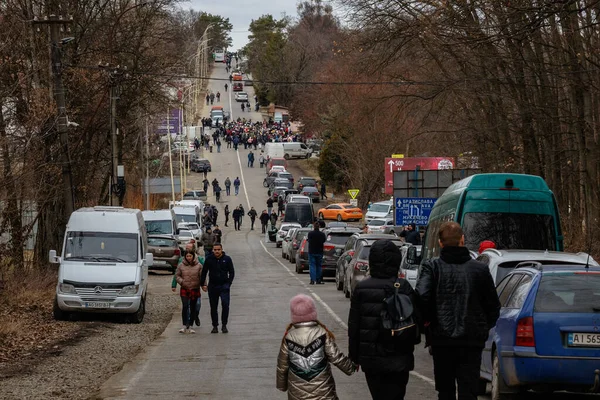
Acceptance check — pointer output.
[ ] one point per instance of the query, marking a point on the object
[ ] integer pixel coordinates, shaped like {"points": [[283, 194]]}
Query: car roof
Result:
{"points": [[375, 236], [540, 255], [342, 229], [310, 189]]}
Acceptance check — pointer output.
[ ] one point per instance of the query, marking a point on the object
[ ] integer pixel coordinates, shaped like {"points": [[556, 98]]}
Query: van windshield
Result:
{"points": [[102, 246], [380, 208], [302, 215], [510, 231], [164, 227], [185, 218]]}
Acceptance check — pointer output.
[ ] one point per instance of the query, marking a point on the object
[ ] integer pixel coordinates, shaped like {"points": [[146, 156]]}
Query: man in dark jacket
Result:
{"points": [[252, 214], [237, 216], [269, 205], [411, 234], [264, 220], [460, 303], [219, 268], [316, 239], [385, 362]]}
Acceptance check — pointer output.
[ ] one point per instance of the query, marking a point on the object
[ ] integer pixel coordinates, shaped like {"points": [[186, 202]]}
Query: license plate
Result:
{"points": [[96, 304], [159, 262], [583, 339]]}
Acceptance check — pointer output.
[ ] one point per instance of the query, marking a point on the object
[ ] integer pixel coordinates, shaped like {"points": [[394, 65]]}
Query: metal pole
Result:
{"points": [[147, 167], [170, 156], [114, 199]]}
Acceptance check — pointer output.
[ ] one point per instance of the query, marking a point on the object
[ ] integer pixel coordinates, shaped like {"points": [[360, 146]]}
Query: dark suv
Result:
{"points": [[200, 165], [306, 181], [334, 247]]}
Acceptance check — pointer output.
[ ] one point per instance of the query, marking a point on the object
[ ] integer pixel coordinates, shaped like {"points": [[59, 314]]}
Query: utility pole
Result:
{"points": [[57, 25]]}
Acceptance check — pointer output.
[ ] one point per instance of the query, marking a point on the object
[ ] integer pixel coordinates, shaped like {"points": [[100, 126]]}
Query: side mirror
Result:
{"points": [[412, 256], [149, 259], [53, 258]]}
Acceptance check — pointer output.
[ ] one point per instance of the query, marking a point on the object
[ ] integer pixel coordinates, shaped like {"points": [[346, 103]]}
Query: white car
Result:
{"points": [[277, 168], [241, 96], [297, 198], [409, 271], [283, 230], [184, 236], [379, 225], [192, 227], [285, 244]]}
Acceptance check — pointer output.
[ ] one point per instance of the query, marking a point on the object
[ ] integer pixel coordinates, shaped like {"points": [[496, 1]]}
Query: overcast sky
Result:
{"points": [[242, 12]]}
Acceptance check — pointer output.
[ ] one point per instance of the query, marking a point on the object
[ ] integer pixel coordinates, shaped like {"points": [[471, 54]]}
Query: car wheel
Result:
{"points": [[282, 254], [278, 245], [58, 314], [291, 259], [298, 268], [286, 156], [265, 184], [339, 217], [498, 387], [138, 316], [345, 289], [338, 283], [321, 216]]}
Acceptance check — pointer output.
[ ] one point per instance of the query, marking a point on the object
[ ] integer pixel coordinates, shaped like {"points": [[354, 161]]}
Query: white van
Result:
{"points": [[160, 222], [296, 150], [274, 150], [187, 213], [192, 202], [380, 210], [104, 264]]}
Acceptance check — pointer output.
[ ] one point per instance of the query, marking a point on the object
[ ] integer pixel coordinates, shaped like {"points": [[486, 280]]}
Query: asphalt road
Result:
{"points": [[242, 364]]}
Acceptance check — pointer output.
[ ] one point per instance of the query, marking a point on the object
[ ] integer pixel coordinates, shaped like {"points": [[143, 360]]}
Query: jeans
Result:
{"points": [[237, 190], [252, 223], [269, 210], [387, 385], [236, 224], [315, 264], [189, 310], [218, 148], [214, 294], [228, 190], [452, 365], [264, 228]]}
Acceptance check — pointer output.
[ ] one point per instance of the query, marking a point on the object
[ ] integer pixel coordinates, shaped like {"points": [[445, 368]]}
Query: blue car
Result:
{"points": [[548, 335]]}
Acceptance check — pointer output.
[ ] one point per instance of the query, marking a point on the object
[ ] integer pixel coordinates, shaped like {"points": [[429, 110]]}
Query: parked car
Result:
{"points": [[277, 191], [195, 195], [306, 181], [380, 210], [283, 230], [348, 253], [296, 242], [184, 236], [501, 262], [277, 168], [297, 198], [277, 161], [336, 224], [334, 247], [200, 165], [302, 257], [241, 96], [277, 175], [341, 212], [287, 239], [311, 192], [547, 335], [166, 252], [193, 227], [383, 225], [278, 183], [408, 269]]}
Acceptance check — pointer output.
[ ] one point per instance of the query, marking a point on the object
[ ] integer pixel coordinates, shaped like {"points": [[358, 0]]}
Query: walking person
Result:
{"points": [[218, 193], [237, 216], [316, 239], [226, 86], [218, 234], [218, 97], [323, 191], [218, 143], [228, 186], [411, 234], [236, 185], [252, 214], [280, 206], [190, 246], [188, 276], [264, 220], [459, 318], [207, 240], [220, 271], [270, 205], [226, 214], [251, 159], [241, 207], [306, 339], [386, 357], [214, 184]]}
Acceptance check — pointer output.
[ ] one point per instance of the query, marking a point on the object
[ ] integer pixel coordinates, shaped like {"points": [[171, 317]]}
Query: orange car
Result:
{"points": [[341, 212]]}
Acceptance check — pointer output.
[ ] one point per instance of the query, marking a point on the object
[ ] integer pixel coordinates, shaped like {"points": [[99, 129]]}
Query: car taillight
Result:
{"points": [[351, 253], [177, 252], [361, 266], [525, 332], [328, 247], [302, 248], [401, 274]]}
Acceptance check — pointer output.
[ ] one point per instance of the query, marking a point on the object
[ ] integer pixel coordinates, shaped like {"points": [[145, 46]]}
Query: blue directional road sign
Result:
{"points": [[413, 210]]}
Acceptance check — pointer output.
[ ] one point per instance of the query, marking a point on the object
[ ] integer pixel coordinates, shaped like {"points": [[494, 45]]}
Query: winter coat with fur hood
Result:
{"points": [[188, 274], [303, 368]]}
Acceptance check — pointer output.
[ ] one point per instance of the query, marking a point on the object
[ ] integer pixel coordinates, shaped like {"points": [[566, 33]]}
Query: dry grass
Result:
{"points": [[31, 287], [310, 167], [9, 328]]}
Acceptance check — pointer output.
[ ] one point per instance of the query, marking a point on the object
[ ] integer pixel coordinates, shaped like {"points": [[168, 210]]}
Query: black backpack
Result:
{"points": [[397, 316]]}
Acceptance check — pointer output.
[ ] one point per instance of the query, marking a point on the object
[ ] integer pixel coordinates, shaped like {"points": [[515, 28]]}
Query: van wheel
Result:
{"points": [[321, 216], [138, 316], [286, 156], [58, 314], [265, 184], [298, 268], [339, 217]]}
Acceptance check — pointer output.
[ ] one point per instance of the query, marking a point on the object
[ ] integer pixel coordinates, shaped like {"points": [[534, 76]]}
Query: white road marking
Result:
{"points": [[329, 310]]}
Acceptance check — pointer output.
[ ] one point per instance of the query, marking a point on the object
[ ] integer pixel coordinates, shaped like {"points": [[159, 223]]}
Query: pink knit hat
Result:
{"points": [[303, 309]]}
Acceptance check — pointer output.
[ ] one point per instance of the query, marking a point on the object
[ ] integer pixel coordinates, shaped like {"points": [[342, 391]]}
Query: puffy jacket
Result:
{"points": [[459, 299], [303, 368], [370, 345], [188, 275]]}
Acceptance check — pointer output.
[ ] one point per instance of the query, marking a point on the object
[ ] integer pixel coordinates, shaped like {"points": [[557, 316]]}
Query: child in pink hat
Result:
{"points": [[307, 349]]}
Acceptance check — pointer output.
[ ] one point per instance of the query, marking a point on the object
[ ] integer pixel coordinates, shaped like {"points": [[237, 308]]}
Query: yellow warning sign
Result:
{"points": [[397, 155], [353, 193]]}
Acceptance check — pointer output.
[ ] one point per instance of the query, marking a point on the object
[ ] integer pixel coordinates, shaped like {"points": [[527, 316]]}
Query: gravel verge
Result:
{"points": [[76, 369]]}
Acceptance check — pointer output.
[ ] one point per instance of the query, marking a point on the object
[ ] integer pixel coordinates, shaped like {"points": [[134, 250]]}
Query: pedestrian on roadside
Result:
{"points": [[264, 220], [316, 239], [273, 218], [205, 184], [458, 318], [280, 205], [242, 214], [251, 159], [411, 234], [270, 205], [306, 339], [207, 241], [386, 357], [237, 216], [323, 191], [218, 143], [218, 193], [220, 271], [190, 246], [226, 214], [226, 86], [252, 214], [188, 277], [243, 107], [212, 98], [261, 160], [218, 234], [236, 185], [207, 98], [218, 97], [214, 184], [228, 186]]}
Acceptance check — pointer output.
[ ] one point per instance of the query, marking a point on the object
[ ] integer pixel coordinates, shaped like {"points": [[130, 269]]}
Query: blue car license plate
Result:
{"points": [[576, 339]]}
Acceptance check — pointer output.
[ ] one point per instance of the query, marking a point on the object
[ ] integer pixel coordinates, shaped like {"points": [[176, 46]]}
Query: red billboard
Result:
{"points": [[409, 163]]}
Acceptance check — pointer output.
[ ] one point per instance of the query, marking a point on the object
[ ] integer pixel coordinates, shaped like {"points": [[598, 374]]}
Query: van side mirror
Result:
{"points": [[53, 258], [412, 256], [149, 259]]}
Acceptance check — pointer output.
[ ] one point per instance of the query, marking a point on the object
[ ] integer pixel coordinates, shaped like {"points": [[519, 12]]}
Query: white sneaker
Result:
{"points": [[191, 330], [182, 330]]}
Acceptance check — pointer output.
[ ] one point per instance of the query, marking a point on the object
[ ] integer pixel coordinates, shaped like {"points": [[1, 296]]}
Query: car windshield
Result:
{"points": [[577, 292], [286, 175], [377, 222], [301, 235], [379, 208], [163, 227], [101, 246], [278, 162], [509, 231], [185, 233], [186, 217], [339, 237], [242, 94], [161, 242], [193, 226], [309, 182], [303, 215]]}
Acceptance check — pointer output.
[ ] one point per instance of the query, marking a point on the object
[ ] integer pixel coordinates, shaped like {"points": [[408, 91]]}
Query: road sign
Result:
{"points": [[397, 155], [353, 193], [354, 202], [413, 210], [411, 163]]}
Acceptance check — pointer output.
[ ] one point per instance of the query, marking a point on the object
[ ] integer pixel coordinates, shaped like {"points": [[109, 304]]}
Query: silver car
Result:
{"points": [[409, 271]]}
